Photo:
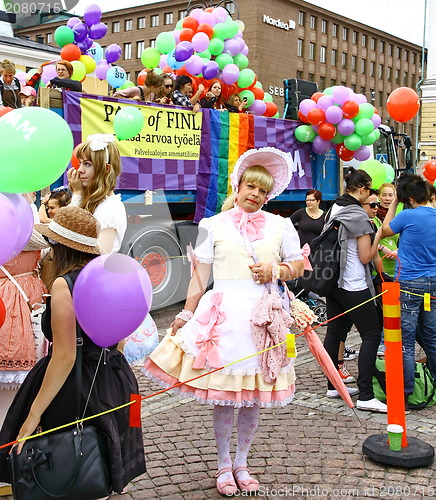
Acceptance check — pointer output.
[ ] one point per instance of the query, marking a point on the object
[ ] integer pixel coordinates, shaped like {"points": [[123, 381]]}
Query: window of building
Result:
{"points": [[168, 18], [311, 51], [412, 81], [50, 38], [389, 74], [141, 23], [334, 30], [390, 49], [406, 55], [312, 22], [128, 51], [372, 69], [128, 25], [354, 37], [382, 47], [322, 82], [152, 43], [353, 87], [381, 70], [300, 47], [373, 42], [334, 53], [380, 98], [344, 60], [154, 20], [140, 46], [299, 75], [182, 14], [405, 75], [116, 27], [323, 26], [345, 34], [362, 90], [301, 18], [353, 63], [413, 54], [363, 40], [230, 6], [363, 66], [398, 52], [322, 54], [311, 77], [333, 81], [397, 76], [127, 75]]}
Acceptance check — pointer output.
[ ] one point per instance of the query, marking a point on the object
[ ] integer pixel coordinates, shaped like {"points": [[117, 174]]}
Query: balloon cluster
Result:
{"points": [[78, 45], [208, 44], [339, 118]]}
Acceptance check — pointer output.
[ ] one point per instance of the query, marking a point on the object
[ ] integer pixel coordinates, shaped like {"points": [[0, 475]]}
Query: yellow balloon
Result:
{"points": [[79, 72], [89, 63], [240, 24]]}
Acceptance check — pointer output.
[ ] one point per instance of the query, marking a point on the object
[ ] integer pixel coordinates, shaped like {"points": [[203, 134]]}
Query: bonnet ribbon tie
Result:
{"points": [[250, 224], [305, 252]]}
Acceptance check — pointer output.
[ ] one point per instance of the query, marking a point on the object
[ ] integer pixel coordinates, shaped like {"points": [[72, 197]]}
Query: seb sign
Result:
{"points": [[273, 90], [284, 25]]}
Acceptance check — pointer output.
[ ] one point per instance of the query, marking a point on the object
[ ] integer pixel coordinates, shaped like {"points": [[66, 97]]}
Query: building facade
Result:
{"points": [[287, 39]]}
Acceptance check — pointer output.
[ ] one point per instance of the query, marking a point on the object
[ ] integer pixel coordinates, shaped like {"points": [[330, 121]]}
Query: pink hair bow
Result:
{"points": [[192, 258], [305, 251], [250, 224]]}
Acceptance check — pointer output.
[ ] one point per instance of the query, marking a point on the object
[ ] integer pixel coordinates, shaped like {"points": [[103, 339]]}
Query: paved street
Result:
{"points": [[311, 449]]}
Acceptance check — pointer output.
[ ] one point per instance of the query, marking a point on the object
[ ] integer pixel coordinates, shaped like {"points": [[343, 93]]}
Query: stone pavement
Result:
{"points": [[311, 449]]}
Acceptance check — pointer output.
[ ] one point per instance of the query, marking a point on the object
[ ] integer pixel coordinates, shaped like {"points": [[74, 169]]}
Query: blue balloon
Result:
{"points": [[172, 62], [96, 52], [116, 76]]}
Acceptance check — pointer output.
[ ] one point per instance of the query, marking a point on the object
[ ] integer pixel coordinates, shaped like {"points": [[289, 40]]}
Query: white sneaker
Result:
{"points": [[372, 405], [333, 393]]}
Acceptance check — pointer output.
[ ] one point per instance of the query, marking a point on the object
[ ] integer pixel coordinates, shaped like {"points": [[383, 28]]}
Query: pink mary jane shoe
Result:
{"points": [[250, 485], [226, 488]]}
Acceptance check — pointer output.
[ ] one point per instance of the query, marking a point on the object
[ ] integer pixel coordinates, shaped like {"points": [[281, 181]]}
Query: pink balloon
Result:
{"points": [[48, 73], [25, 218], [196, 13], [376, 120], [207, 18], [9, 225], [341, 94], [22, 77], [194, 65], [245, 50], [112, 295], [220, 14], [258, 107], [200, 41], [306, 105], [346, 126], [232, 47], [176, 35], [230, 74], [163, 61], [325, 102], [362, 154], [360, 99], [334, 114], [102, 68]]}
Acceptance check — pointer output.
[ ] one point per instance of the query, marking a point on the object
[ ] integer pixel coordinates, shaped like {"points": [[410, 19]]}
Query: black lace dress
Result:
{"points": [[114, 383]]}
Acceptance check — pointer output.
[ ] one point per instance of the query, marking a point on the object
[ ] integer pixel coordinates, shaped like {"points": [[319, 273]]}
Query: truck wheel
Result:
{"points": [[158, 250]]}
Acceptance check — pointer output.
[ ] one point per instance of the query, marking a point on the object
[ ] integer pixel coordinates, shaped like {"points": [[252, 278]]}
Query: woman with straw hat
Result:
{"points": [[46, 398]]}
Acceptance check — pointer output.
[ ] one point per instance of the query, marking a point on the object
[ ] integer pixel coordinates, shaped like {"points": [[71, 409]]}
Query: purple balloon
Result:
{"points": [[22, 77], [176, 35], [306, 105], [80, 32], [376, 120], [48, 73], [230, 74], [163, 61], [245, 50], [333, 114], [341, 94], [258, 107], [97, 31], [82, 47], [320, 145], [232, 47], [183, 51], [210, 70], [360, 99], [207, 18], [325, 102], [73, 21], [194, 65], [25, 218], [92, 14], [200, 41], [346, 126], [112, 296], [362, 154], [113, 53], [101, 69], [9, 225], [196, 13], [87, 43]]}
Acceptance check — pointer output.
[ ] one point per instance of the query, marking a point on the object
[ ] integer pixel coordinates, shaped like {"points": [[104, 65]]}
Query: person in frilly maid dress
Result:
{"points": [[248, 249]]}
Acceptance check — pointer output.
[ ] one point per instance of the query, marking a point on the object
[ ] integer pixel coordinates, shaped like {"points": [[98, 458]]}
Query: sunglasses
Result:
{"points": [[168, 86], [373, 204]]}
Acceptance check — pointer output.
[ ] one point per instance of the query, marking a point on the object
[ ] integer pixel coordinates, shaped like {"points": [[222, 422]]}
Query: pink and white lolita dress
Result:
{"points": [[220, 331]]}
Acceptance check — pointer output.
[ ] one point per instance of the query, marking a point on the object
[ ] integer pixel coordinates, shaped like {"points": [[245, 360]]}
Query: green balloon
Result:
{"points": [[258, 84], [246, 78], [216, 46], [328, 91], [165, 42], [389, 172], [221, 31], [179, 24], [37, 145], [223, 59], [126, 85], [366, 110], [338, 138], [205, 54], [352, 142], [375, 170], [249, 96], [377, 134], [369, 139], [268, 97], [277, 115], [232, 27], [150, 57], [63, 35], [128, 122], [364, 126], [241, 62], [304, 133]]}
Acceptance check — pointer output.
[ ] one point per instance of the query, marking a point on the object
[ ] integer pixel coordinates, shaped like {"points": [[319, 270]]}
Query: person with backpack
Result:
{"points": [[354, 287], [417, 276], [9, 86]]}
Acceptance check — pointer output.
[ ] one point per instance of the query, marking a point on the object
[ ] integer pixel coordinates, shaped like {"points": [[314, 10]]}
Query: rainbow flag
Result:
{"points": [[225, 137]]}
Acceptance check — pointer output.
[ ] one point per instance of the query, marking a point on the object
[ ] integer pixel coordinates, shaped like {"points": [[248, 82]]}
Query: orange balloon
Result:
{"points": [[301, 117], [206, 28], [74, 160], [70, 52], [186, 35], [258, 93], [429, 170], [316, 96], [142, 76], [5, 110], [403, 104], [190, 22], [271, 109], [316, 116], [350, 109], [326, 131]]}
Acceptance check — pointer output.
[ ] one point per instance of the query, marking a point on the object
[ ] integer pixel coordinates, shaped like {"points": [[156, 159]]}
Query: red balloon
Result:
{"points": [[429, 170], [271, 109], [403, 104], [209, 9], [316, 116], [70, 52], [74, 160], [5, 110], [190, 22], [344, 153], [326, 131], [2, 313], [258, 93], [302, 117], [206, 28], [350, 109], [186, 35], [316, 96], [142, 76]]}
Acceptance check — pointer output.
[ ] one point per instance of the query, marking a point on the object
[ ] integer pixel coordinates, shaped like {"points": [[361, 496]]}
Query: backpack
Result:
{"points": [[424, 392], [325, 252], [17, 83]]}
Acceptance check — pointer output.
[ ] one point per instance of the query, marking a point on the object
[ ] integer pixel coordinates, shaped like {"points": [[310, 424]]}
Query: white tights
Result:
{"points": [[223, 417]]}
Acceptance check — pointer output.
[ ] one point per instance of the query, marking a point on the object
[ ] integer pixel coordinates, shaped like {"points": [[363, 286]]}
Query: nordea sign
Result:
{"points": [[290, 25]]}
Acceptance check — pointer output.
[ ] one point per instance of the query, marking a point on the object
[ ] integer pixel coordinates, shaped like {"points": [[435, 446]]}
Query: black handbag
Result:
{"points": [[69, 465]]}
